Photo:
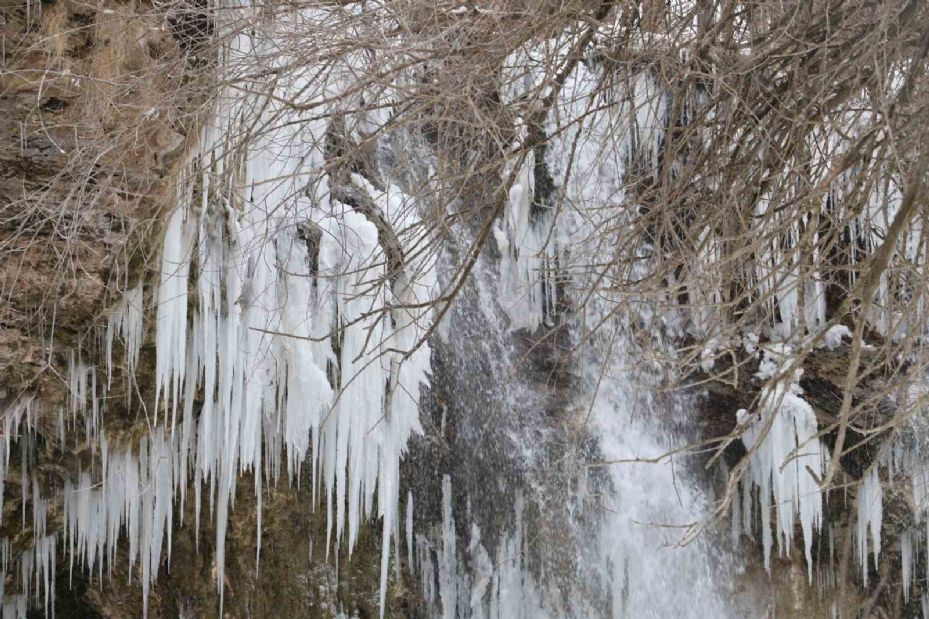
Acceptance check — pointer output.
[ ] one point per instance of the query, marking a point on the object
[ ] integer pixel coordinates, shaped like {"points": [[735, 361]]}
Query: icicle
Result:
{"points": [[870, 508], [45, 571], [427, 568], [906, 562], [171, 339], [735, 518], [409, 531], [77, 383], [126, 321], [448, 564]]}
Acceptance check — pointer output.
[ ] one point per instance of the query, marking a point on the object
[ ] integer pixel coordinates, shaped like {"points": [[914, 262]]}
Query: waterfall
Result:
{"points": [[604, 536], [645, 517], [636, 566]]}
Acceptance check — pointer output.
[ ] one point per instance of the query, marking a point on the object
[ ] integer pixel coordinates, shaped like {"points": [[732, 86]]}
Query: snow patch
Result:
{"points": [[835, 336]]}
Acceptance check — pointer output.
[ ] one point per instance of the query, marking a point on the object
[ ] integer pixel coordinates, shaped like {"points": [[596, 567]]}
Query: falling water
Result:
{"points": [[518, 492], [645, 517], [557, 497]]}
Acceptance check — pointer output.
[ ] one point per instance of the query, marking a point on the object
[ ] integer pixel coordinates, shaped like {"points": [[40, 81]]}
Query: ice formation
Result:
{"points": [[539, 241], [906, 563], [296, 350], [786, 464], [275, 300], [870, 509], [135, 498], [835, 336], [85, 395], [171, 311], [529, 253], [126, 321], [495, 587], [321, 365]]}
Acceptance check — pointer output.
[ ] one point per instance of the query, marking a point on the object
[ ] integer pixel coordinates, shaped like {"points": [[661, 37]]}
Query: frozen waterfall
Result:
{"points": [[478, 393]]}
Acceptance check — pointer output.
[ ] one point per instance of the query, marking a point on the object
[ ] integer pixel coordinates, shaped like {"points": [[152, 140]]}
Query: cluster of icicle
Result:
{"points": [[904, 462], [591, 148], [308, 358], [529, 249], [494, 587], [899, 463], [135, 495], [305, 348], [36, 564], [291, 362], [786, 461], [796, 295], [298, 360], [543, 238], [536, 241], [278, 393]]}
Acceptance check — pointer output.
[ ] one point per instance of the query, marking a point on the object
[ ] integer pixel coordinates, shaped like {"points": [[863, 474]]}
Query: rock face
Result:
{"points": [[81, 166]]}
